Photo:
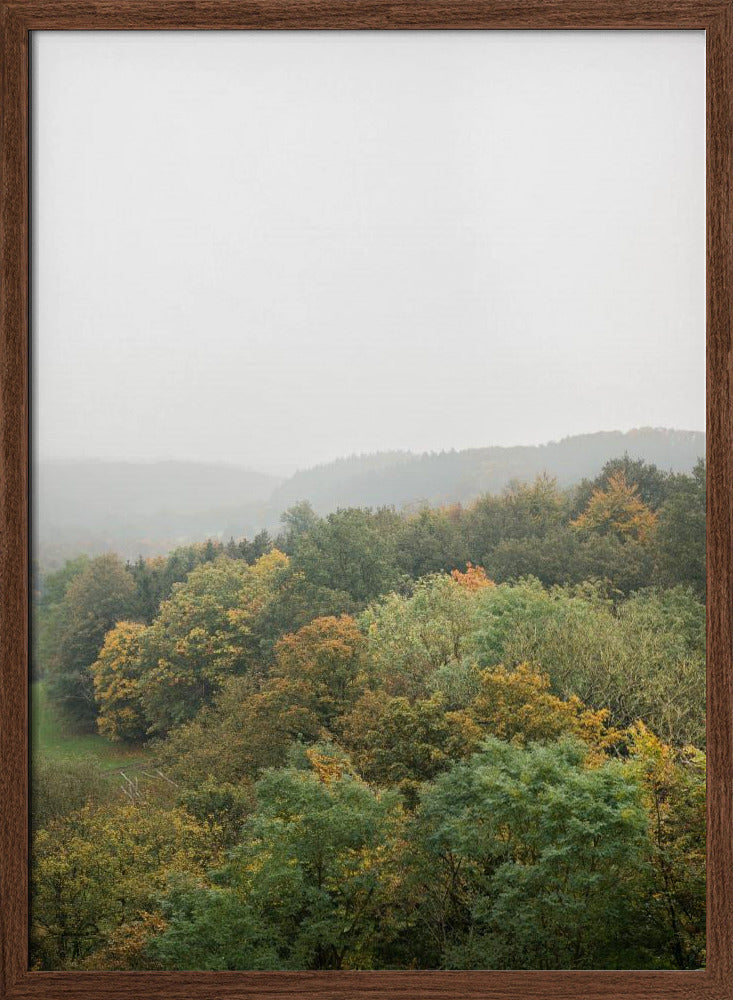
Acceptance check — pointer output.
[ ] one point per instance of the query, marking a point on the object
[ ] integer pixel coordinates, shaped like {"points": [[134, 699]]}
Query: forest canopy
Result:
{"points": [[455, 737]]}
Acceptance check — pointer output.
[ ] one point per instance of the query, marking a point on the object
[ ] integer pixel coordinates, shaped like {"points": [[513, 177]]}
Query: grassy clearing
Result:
{"points": [[50, 738]]}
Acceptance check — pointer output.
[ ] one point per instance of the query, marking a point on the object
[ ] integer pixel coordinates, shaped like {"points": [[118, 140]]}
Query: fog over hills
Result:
{"points": [[141, 507], [148, 508], [402, 478]]}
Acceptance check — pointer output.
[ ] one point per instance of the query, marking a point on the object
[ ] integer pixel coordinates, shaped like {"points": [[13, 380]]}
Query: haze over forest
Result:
{"points": [[338, 273], [149, 508]]}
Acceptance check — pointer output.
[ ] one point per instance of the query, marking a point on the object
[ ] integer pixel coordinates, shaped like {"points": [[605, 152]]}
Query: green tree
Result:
{"points": [[411, 637], [395, 742], [623, 565], [250, 551], [247, 729], [313, 885], [431, 541], [643, 659], [679, 541], [352, 550], [524, 511], [203, 634], [552, 558], [530, 860], [48, 611], [298, 521], [211, 929], [566, 556], [99, 596]]}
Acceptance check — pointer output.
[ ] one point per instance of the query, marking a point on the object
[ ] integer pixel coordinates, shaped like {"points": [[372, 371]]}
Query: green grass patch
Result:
{"points": [[51, 738]]}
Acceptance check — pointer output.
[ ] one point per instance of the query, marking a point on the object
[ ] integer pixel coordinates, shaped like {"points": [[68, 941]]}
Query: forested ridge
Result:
{"points": [[460, 737], [150, 508]]}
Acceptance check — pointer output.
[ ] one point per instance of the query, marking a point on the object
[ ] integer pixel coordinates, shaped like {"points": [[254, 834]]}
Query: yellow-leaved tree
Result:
{"points": [[105, 867], [116, 675], [518, 706], [618, 510], [673, 783]]}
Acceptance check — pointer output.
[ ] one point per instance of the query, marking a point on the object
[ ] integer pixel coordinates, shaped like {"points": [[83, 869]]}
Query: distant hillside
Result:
{"points": [[400, 478], [138, 508]]}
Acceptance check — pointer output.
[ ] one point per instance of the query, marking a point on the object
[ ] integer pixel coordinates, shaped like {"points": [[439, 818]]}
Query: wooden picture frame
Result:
{"points": [[21, 17]]}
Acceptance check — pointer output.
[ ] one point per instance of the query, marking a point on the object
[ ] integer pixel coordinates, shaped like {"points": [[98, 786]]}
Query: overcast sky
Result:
{"points": [[273, 249]]}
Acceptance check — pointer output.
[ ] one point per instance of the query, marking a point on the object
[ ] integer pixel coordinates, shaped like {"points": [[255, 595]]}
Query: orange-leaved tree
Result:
{"points": [[329, 656], [474, 578]]}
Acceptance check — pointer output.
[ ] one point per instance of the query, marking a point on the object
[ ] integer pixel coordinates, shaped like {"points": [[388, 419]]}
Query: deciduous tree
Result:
{"points": [[618, 509], [328, 656], [99, 596], [116, 673]]}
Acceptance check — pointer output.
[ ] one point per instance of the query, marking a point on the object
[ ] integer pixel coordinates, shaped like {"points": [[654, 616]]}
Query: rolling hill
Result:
{"points": [[401, 478], [148, 508]]}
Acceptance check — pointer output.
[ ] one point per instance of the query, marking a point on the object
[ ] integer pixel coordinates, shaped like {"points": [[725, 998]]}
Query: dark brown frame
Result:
{"points": [[18, 19]]}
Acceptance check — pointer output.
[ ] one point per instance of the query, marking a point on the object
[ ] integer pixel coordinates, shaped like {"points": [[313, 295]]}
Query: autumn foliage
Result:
{"points": [[474, 578], [455, 738], [618, 509]]}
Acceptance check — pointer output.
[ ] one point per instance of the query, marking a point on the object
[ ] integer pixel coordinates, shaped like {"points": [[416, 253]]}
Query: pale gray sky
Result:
{"points": [[273, 249]]}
